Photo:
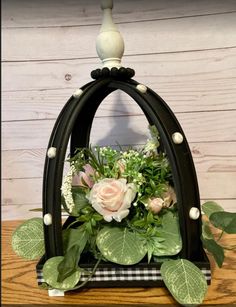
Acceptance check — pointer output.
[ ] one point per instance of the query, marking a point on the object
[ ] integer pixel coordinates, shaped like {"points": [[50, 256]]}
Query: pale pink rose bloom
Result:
{"points": [[84, 179], [112, 198], [155, 204]]}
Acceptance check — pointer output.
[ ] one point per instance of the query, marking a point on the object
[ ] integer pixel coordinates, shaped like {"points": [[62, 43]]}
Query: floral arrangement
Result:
{"points": [[124, 210]]}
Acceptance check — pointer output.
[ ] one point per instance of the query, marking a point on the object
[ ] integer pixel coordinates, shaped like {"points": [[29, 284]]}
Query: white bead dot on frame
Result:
{"points": [[51, 153], [194, 213], [177, 138], [78, 93], [47, 219], [141, 88]]}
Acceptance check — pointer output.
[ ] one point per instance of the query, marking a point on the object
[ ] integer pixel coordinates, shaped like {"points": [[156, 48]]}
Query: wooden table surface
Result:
{"points": [[19, 284]]}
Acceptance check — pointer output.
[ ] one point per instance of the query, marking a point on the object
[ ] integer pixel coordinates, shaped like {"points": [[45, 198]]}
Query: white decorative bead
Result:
{"points": [[141, 88], [78, 93], [55, 292], [194, 213], [52, 152], [177, 138], [109, 44], [47, 219]]}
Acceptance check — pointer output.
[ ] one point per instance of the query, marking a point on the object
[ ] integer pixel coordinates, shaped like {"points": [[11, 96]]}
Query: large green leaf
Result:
{"points": [[50, 275], [69, 263], [76, 241], [215, 249], [119, 245], [75, 236], [210, 207], [224, 220], [28, 239], [185, 281], [169, 232]]}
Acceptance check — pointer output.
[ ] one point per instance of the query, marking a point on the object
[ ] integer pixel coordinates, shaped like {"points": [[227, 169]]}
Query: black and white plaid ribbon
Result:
{"points": [[122, 274]]}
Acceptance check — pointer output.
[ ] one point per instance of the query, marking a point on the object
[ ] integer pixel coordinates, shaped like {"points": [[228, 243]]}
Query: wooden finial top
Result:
{"points": [[109, 43]]}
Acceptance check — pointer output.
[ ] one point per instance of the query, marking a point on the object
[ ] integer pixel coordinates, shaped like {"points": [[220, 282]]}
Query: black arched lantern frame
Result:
{"points": [[74, 124]]}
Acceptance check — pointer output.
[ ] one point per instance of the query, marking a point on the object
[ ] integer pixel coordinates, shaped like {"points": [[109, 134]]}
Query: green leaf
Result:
{"points": [[215, 249], [225, 221], [50, 275], [185, 281], [80, 200], [119, 245], [169, 232], [163, 259], [206, 230], [210, 207], [76, 236], [69, 263], [28, 239], [76, 242]]}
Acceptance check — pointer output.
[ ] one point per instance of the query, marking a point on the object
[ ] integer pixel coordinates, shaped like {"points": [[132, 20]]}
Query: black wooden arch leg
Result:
{"points": [[53, 172], [179, 156]]}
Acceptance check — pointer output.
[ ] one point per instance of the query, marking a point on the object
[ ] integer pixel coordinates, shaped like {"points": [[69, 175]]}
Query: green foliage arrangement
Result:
{"points": [[124, 209]]}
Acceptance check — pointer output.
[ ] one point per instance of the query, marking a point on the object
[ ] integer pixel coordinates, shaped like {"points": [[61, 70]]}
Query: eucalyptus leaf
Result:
{"points": [[210, 207], [215, 249], [28, 239], [50, 275], [185, 281], [225, 221], [120, 245], [169, 232]]}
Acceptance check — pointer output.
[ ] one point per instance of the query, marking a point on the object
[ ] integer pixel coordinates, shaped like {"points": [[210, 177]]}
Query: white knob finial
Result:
{"points": [[109, 44]]}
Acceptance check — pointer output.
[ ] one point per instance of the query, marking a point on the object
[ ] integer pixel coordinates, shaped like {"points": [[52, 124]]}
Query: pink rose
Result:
{"points": [[155, 204], [112, 198], [84, 179]]}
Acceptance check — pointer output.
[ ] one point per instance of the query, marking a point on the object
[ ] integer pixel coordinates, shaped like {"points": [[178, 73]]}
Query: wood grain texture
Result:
{"points": [[198, 127], [196, 75], [216, 31], [86, 12], [19, 283]]}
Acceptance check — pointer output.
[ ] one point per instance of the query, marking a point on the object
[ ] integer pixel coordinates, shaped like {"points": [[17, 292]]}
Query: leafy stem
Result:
{"points": [[89, 277]]}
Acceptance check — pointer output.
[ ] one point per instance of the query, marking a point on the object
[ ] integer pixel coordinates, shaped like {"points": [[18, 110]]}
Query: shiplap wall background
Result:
{"points": [[184, 50]]}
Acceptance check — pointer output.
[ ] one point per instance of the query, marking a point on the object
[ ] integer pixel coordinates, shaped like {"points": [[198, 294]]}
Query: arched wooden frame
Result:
{"points": [[75, 122]]}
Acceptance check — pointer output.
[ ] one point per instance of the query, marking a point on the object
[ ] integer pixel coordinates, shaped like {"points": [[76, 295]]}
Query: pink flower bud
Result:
{"points": [[155, 204], [84, 179]]}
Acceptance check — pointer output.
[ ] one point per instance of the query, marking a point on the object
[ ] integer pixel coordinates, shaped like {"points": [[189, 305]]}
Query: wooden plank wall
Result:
{"points": [[184, 50]]}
